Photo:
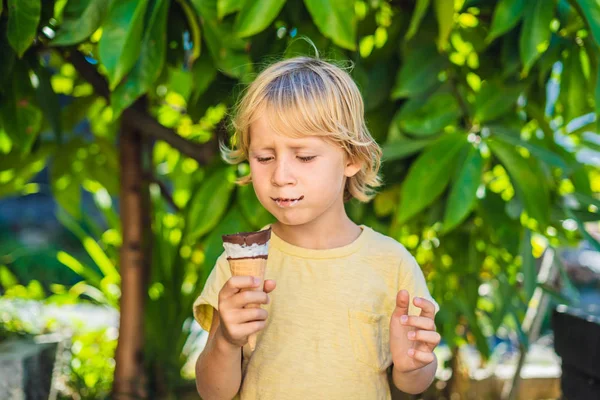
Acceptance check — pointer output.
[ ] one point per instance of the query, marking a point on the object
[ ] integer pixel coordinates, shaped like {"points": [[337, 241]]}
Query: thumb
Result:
{"points": [[402, 303], [270, 285]]}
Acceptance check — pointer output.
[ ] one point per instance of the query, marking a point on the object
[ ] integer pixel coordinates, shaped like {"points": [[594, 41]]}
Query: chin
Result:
{"points": [[291, 218]]}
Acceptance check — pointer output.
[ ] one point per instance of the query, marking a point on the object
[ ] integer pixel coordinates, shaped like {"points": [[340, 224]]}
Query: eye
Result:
{"points": [[307, 159], [263, 159]]}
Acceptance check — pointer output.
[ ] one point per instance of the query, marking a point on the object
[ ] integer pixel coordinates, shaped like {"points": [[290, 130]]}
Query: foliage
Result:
{"points": [[483, 108]]}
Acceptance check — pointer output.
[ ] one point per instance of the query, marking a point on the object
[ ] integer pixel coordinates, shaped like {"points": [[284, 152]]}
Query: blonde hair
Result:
{"points": [[308, 96]]}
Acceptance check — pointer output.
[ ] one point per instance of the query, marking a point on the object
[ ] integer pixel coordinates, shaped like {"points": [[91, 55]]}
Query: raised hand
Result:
{"points": [[412, 338]]}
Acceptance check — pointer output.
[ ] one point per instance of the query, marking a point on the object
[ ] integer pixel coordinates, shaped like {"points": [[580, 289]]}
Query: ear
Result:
{"points": [[352, 167]]}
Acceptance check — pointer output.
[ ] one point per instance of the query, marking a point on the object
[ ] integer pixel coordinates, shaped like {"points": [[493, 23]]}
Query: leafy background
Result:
{"points": [[486, 111]]}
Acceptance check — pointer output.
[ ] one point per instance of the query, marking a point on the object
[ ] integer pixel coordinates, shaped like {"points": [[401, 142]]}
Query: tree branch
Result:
{"points": [[137, 117]]}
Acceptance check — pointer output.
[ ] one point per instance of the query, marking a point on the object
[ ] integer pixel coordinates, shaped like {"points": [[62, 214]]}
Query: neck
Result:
{"points": [[321, 233]]}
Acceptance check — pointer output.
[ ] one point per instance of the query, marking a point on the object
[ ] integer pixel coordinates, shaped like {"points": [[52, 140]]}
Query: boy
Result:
{"points": [[341, 314]]}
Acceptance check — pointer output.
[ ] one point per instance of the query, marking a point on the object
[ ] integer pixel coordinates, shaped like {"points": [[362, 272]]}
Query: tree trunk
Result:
{"points": [[130, 373]]}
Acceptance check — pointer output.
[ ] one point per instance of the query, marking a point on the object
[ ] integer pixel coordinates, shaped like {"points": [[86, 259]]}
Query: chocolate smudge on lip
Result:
{"points": [[248, 238]]}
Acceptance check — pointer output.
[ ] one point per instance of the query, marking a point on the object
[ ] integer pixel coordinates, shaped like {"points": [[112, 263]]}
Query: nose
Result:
{"points": [[282, 175]]}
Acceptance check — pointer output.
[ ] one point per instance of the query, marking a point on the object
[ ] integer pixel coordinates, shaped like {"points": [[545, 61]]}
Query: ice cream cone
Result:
{"points": [[250, 267]]}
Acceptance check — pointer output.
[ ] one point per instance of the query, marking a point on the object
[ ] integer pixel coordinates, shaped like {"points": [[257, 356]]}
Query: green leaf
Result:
{"points": [[597, 99], [226, 7], [536, 33], [64, 182], [209, 203], [419, 72], [417, 17], [468, 310], [150, 63], [120, 43], [444, 10], [439, 111], [49, 101], [545, 155], [574, 86], [255, 16], [591, 11], [586, 235], [463, 196], [252, 209], [1, 7], [93, 249], [506, 15], [85, 271], [581, 180], [586, 200], [494, 100], [527, 178], [80, 20], [528, 264], [335, 19], [7, 55], [23, 20], [21, 118], [401, 149], [429, 175], [228, 51], [7, 278], [203, 73]]}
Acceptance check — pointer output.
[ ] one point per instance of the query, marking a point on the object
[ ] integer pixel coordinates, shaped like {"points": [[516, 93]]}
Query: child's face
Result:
{"points": [[297, 179]]}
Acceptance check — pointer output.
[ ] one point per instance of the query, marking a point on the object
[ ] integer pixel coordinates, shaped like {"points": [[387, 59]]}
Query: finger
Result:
{"points": [[426, 306], [246, 315], [237, 283], [270, 285], [242, 299], [429, 337], [422, 356], [418, 322], [402, 303], [251, 327]]}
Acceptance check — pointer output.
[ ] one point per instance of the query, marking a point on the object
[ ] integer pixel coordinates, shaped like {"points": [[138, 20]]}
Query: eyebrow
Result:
{"points": [[271, 148]]}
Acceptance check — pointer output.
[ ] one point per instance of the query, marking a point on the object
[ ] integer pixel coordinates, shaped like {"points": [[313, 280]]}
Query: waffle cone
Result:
{"points": [[250, 267]]}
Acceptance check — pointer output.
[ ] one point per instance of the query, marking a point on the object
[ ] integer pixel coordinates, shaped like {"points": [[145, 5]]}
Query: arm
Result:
{"points": [[218, 369]]}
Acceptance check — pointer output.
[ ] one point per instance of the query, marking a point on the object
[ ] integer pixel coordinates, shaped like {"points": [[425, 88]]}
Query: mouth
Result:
{"points": [[287, 202]]}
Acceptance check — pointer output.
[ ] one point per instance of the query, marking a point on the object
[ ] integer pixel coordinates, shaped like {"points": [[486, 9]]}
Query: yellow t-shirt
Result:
{"points": [[327, 334]]}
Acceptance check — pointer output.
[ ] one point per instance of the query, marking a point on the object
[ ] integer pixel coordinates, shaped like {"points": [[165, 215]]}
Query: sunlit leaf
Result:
{"points": [[462, 198], [535, 34], [150, 62], [209, 203], [255, 16], [80, 19], [429, 175], [528, 180], [335, 19], [418, 14], [122, 34], [444, 11]]}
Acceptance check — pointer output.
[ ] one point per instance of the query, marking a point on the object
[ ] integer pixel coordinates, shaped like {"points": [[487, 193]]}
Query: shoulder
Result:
{"points": [[385, 245]]}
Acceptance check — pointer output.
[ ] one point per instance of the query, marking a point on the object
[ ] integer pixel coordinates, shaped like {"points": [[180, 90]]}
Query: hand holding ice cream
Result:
{"points": [[247, 255]]}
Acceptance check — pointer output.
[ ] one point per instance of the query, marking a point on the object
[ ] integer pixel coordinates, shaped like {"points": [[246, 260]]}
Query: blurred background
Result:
{"points": [[113, 197]]}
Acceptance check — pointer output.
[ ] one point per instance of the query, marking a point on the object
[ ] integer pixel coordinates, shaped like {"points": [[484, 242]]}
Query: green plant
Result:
{"points": [[481, 132]]}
